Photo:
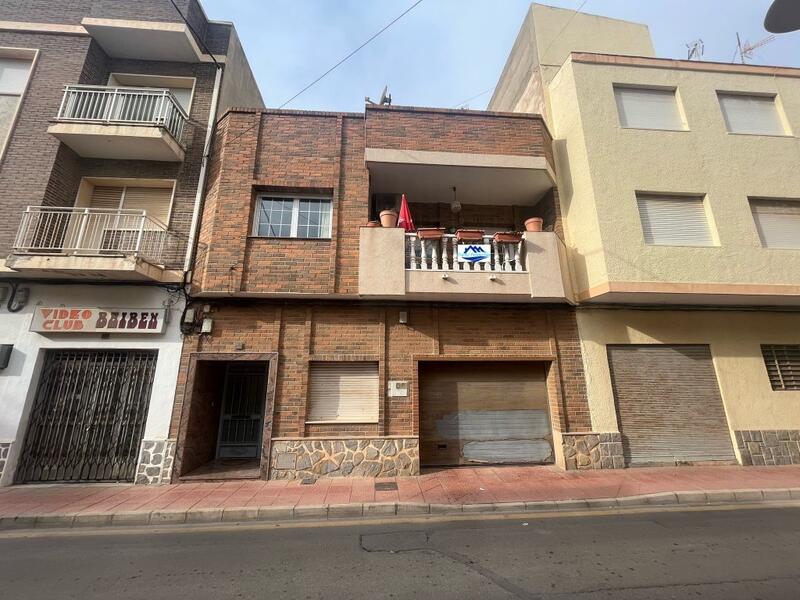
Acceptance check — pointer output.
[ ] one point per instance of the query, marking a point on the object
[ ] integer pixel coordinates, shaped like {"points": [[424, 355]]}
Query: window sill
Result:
{"points": [[342, 422], [769, 135], [654, 129], [288, 239]]}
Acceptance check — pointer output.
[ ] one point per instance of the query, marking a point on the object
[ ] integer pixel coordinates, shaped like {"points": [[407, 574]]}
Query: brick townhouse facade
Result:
{"points": [[107, 106], [330, 350]]}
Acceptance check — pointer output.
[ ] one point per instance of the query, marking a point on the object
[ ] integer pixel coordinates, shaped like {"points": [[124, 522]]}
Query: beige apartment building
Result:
{"points": [[680, 197]]}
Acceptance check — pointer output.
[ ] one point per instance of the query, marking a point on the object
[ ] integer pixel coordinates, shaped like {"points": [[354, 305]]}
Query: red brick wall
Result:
{"points": [[302, 332], [457, 131]]}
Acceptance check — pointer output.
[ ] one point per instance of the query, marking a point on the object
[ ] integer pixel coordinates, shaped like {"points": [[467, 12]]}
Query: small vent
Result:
{"points": [[386, 486], [783, 366], [308, 481]]}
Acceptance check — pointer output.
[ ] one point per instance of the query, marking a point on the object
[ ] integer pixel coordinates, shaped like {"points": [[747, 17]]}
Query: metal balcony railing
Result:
{"points": [[442, 255], [123, 106], [98, 232]]}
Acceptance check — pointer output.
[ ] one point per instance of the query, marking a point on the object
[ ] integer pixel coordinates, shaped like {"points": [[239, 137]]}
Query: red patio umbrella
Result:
{"points": [[405, 221]]}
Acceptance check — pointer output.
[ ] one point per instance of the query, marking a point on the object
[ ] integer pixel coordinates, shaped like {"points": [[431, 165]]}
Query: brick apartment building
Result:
{"points": [[336, 348], [105, 109]]}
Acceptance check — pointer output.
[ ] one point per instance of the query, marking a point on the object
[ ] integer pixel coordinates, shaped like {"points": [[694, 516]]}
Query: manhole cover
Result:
{"points": [[386, 486]]}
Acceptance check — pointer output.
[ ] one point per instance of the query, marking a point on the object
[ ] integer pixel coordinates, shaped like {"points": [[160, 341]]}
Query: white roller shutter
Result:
{"points": [[156, 201], [106, 196], [674, 220], [751, 114], [646, 108], [778, 222], [343, 392]]}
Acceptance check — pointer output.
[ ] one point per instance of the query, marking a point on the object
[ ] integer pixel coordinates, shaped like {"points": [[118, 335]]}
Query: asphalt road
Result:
{"points": [[720, 554]]}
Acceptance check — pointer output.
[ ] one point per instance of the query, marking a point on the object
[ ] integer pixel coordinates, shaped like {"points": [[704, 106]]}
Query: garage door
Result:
{"points": [[669, 406], [484, 413], [88, 416]]}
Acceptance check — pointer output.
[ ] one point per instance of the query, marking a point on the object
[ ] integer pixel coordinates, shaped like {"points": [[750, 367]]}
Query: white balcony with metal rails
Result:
{"points": [[87, 242], [442, 255], [140, 123]]}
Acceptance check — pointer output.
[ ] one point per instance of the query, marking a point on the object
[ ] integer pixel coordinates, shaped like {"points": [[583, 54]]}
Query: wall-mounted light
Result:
{"points": [[455, 205], [403, 317]]}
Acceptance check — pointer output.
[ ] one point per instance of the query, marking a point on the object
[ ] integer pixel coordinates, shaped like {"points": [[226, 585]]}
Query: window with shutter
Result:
{"points": [[751, 114], [340, 392], [674, 220], [14, 74], [106, 197], [777, 222], [647, 108], [783, 366], [155, 201]]}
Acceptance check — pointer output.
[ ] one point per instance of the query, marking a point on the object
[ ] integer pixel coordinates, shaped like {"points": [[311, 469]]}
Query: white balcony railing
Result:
{"points": [[442, 255], [123, 106], [98, 232]]}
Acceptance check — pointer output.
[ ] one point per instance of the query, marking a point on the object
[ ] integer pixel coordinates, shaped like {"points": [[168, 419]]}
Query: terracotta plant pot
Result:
{"points": [[507, 237], [534, 224], [430, 233], [388, 218], [469, 235], [373, 224]]}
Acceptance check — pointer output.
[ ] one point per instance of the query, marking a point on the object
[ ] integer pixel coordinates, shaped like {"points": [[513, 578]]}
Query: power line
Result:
{"points": [[346, 58], [486, 91], [543, 55], [196, 35]]}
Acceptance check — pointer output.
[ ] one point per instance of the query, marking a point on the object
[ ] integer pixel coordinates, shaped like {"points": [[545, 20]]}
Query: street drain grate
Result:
{"points": [[386, 486], [308, 481]]}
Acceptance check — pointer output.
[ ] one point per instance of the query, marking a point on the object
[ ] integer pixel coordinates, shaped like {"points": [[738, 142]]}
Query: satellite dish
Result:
{"points": [[386, 98], [783, 16]]}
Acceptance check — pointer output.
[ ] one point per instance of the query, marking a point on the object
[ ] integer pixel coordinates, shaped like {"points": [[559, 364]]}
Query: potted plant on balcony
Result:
{"points": [[534, 224], [469, 235], [373, 224], [507, 237], [388, 218], [430, 233]]}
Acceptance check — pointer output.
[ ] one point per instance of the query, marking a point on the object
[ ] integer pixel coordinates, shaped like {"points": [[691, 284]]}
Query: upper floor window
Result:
{"points": [[674, 220], [153, 197], [648, 108], [783, 366], [14, 74], [751, 113], [293, 217], [777, 221]]}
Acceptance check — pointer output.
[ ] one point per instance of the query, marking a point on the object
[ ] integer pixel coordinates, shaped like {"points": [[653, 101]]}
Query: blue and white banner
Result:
{"points": [[474, 253]]}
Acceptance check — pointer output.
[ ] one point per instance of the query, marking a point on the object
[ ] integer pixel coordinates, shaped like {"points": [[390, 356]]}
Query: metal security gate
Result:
{"points": [[484, 413], [242, 415], [669, 406], [88, 416]]}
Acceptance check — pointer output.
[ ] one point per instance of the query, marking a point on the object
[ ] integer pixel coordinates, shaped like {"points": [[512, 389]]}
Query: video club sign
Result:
{"points": [[97, 320]]}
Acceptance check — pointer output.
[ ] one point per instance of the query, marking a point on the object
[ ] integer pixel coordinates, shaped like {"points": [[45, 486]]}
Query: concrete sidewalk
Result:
{"points": [[480, 489]]}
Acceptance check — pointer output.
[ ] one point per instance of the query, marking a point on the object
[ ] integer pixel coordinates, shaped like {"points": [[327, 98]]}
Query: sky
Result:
{"points": [[447, 51]]}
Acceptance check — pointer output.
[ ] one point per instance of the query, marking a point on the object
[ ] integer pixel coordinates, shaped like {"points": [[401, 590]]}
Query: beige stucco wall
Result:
{"points": [[605, 165], [735, 339]]}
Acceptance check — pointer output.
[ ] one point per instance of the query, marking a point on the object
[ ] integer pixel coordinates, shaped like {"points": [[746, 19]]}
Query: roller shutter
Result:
{"points": [[778, 222], [673, 220], [668, 404], [484, 412], [340, 392]]}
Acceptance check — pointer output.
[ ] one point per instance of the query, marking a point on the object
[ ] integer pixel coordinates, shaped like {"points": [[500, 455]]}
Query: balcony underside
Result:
{"points": [[424, 176], [124, 142], [115, 268], [145, 40], [699, 294]]}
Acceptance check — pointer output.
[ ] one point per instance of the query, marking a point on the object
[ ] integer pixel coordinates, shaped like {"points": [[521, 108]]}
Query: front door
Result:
{"points": [[241, 421]]}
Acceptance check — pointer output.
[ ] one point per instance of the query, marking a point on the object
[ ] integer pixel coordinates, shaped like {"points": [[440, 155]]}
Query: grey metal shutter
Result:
{"points": [[777, 221], [673, 220], [668, 404], [646, 108], [484, 412], [751, 114], [342, 392]]}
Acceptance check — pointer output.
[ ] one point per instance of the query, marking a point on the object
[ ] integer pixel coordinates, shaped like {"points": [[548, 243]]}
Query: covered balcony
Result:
{"points": [[396, 265], [121, 123], [93, 243]]}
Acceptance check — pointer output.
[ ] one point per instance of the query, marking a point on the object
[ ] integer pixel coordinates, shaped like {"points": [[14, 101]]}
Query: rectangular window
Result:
{"points": [[777, 222], [783, 366], [342, 392], [648, 108], [155, 201], [752, 114], [293, 217], [674, 220], [14, 74]]}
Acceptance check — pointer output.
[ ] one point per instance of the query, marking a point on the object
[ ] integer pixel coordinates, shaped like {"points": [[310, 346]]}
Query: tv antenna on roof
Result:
{"points": [[695, 49], [386, 97], [745, 51]]}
